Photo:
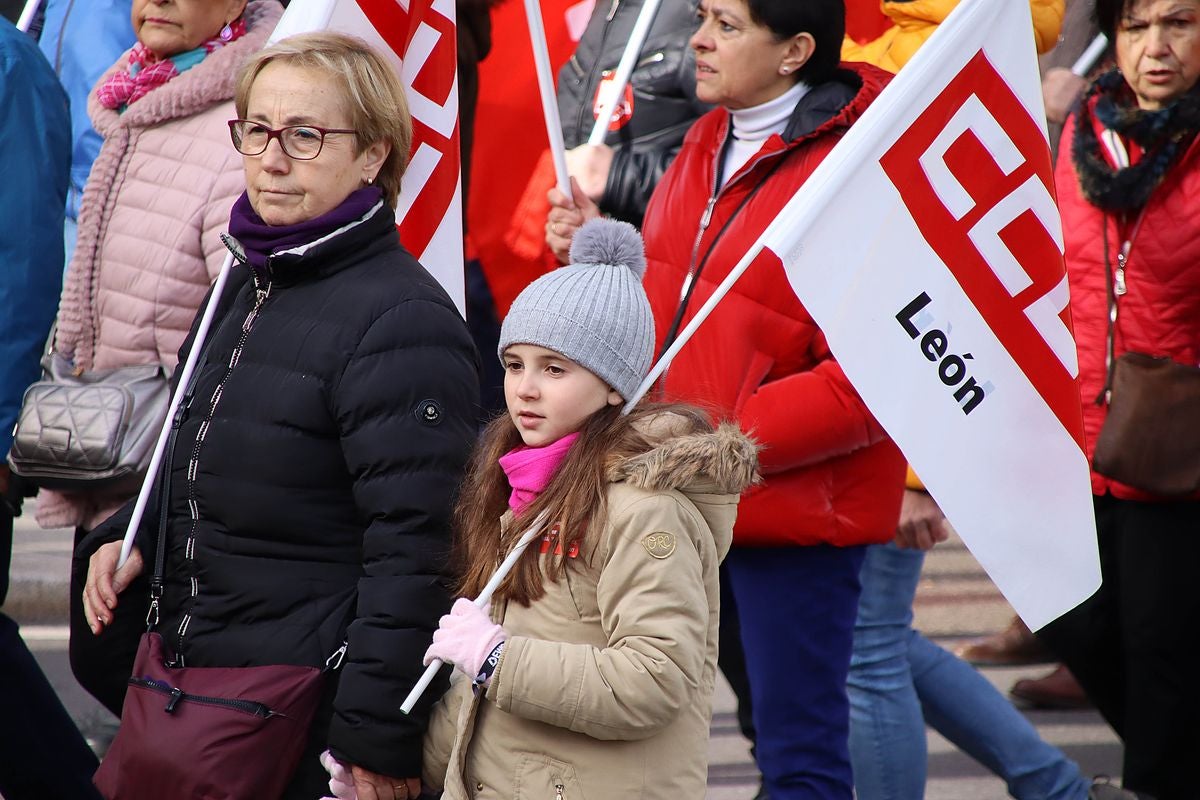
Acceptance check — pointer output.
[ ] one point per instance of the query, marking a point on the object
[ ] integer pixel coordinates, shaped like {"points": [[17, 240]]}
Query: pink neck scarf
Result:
{"points": [[529, 470], [147, 71]]}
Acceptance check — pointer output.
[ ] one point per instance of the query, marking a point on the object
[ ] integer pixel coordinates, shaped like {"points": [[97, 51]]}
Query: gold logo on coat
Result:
{"points": [[659, 544]]}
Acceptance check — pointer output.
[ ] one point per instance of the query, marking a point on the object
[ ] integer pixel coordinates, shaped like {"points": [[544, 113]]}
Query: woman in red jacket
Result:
{"points": [[1130, 202], [832, 477]]}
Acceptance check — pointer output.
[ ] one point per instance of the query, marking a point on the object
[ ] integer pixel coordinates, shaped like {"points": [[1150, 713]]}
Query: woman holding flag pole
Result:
{"points": [[303, 512], [833, 479], [618, 157]]}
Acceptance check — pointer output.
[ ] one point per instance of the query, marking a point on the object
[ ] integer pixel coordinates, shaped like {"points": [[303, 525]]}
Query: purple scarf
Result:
{"points": [[261, 240]]}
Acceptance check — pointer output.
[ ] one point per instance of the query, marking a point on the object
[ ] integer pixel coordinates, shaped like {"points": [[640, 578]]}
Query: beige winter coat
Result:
{"points": [[604, 689], [155, 204]]}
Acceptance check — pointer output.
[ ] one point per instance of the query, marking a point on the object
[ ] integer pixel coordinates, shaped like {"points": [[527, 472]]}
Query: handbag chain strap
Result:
{"points": [[1115, 287]]}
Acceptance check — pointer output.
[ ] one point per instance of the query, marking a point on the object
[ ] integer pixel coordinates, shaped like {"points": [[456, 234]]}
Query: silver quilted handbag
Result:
{"points": [[80, 432]]}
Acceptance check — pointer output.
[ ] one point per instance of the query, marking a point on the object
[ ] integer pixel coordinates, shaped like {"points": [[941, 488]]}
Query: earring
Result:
{"points": [[784, 70], [370, 179], [226, 33]]}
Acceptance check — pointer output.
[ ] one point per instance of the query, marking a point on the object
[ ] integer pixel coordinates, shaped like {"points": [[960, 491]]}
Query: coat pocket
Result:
{"points": [[540, 777]]}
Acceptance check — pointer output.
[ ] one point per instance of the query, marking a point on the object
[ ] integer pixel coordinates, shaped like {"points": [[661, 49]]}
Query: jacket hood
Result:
{"points": [[724, 461], [837, 102], [706, 466]]}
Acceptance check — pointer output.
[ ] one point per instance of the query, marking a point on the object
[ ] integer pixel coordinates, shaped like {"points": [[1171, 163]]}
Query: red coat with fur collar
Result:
{"points": [[831, 475]]}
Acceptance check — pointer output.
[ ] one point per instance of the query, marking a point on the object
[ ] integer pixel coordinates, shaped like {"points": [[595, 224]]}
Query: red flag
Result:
{"points": [[507, 207]]}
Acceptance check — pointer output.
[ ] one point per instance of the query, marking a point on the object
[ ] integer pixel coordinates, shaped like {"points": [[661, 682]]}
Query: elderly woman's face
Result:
{"points": [[1158, 49], [171, 27], [739, 63], [284, 190]]}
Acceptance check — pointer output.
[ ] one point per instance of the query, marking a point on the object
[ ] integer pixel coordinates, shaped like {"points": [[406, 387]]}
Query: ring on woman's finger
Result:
{"points": [[396, 791]]}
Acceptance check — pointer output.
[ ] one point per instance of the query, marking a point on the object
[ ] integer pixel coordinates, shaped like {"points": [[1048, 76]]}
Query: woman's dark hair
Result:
{"points": [[824, 20], [1108, 15]]}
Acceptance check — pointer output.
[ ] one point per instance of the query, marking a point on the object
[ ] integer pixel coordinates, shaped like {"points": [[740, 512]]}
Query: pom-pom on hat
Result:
{"points": [[594, 310]]}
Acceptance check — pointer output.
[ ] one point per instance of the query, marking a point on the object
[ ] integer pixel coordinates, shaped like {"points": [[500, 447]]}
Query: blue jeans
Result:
{"points": [[899, 680], [796, 606]]}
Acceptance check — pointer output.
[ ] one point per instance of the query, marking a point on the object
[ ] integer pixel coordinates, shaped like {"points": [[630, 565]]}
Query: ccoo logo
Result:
{"points": [[974, 172]]}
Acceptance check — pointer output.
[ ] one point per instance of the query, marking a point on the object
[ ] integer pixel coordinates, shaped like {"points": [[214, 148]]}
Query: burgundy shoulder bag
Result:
{"points": [[1150, 439]]}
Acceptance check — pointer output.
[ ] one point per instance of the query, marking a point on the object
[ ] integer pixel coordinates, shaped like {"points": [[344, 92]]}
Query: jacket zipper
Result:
{"points": [[175, 696], [262, 291], [705, 220], [717, 191], [558, 791]]}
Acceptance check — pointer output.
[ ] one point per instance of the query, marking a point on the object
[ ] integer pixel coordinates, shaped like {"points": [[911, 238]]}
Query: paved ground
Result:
{"points": [[955, 601]]}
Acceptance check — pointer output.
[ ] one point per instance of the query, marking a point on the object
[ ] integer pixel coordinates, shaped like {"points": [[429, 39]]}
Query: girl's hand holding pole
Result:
{"points": [[465, 638]]}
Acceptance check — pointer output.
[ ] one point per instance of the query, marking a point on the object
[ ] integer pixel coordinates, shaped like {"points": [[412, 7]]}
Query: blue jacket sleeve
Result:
{"points": [[35, 156]]}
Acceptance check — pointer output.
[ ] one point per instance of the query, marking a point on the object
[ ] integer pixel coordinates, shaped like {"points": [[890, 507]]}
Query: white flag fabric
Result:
{"points": [[928, 247], [418, 38]]}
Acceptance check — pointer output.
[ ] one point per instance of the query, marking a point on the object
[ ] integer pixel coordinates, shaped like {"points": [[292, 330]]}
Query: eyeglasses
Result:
{"points": [[301, 142]]}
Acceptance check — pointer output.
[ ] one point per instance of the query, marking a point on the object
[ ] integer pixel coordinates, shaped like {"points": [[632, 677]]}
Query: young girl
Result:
{"points": [[592, 673]]}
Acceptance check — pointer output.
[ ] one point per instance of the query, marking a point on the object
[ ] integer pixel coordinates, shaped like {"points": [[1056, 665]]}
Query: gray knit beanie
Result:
{"points": [[594, 310]]}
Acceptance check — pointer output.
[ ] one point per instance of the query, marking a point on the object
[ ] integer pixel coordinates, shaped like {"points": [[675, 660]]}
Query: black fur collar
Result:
{"points": [[1163, 135]]}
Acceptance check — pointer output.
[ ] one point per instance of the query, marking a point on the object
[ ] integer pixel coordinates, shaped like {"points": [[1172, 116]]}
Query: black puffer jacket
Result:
{"points": [[664, 97], [312, 480]]}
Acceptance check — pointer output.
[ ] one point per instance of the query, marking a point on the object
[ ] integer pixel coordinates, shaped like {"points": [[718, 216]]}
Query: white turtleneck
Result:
{"points": [[753, 126]]}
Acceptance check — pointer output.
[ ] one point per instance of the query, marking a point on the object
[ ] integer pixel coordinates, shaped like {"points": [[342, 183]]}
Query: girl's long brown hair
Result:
{"points": [[574, 498]]}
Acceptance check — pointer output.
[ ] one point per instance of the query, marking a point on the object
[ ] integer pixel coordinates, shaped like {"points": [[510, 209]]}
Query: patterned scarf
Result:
{"points": [[147, 71], [1162, 135]]}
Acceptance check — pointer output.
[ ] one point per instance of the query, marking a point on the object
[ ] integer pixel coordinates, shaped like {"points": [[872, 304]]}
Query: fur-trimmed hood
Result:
{"points": [[710, 467], [724, 461]]}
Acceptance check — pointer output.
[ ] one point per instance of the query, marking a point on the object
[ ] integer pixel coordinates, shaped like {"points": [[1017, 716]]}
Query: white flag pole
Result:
{"points": [[541, 59], [139, 508], [482, 600], [27, 14], [1088, 58], [798, 214], [701, 315], [616, 88]]}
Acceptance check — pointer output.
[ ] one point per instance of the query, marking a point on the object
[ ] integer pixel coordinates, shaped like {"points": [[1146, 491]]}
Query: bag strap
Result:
{"points": [[1115, 287], [681, 311]]}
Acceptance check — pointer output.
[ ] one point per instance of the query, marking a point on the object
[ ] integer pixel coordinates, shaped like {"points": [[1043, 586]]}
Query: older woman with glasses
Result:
{"points": [[333, 411]]}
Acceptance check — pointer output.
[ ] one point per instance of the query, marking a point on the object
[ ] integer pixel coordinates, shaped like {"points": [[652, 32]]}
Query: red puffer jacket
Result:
{"points": [[1160, 313], [832, 474]]}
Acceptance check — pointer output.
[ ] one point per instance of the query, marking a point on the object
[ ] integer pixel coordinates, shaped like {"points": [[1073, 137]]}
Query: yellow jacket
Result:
{"points": [[914, 22]]}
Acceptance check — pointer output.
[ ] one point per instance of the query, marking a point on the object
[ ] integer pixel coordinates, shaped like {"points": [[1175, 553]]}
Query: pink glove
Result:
{"points": [[465, 638], [341, 782]]}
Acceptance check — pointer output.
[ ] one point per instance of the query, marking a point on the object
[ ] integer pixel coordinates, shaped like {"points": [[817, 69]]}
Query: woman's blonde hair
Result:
{"points": [[373, 93]]}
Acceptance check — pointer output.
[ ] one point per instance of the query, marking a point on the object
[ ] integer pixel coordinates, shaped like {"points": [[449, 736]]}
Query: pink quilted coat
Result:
{"points": [[155, 203]]}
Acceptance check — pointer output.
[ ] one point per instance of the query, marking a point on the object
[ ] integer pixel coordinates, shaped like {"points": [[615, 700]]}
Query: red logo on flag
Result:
{"points": [[424, 39], [974, 171]]}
